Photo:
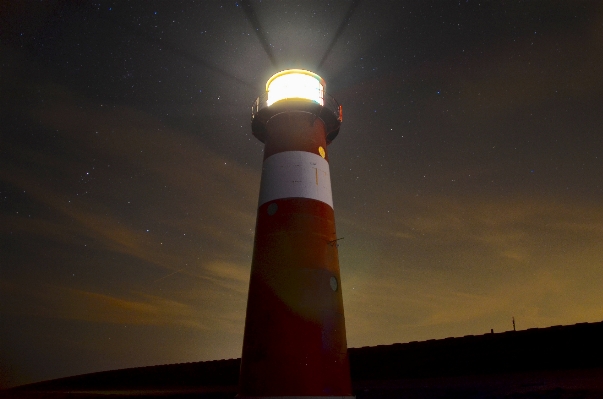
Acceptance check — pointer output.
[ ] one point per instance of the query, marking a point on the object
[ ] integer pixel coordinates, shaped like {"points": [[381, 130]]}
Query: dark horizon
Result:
{"points": [[466, 176], [564, 360]]}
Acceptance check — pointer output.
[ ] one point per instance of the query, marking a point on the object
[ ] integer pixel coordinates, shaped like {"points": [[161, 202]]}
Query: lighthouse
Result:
{"points": [[295, 340]]}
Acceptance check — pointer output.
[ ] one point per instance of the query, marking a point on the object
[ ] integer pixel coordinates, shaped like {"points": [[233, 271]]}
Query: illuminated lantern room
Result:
{"points": [[295, 90], [295, 83]]}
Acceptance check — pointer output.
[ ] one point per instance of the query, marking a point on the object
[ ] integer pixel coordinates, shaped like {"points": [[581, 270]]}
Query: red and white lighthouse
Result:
{"points": [[295, 342]]}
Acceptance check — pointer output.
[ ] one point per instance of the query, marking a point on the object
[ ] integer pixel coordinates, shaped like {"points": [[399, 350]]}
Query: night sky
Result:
{"points": [[467, 176]]}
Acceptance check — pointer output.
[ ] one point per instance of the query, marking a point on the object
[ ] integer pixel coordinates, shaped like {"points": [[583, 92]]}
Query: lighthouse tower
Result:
{"points": [[295, 342]]}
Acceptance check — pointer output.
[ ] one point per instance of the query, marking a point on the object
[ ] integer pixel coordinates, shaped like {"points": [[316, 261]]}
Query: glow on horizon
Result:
{"points": [[295, 83]]}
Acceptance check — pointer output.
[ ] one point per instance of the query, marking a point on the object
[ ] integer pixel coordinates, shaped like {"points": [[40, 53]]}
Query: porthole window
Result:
{"points": [[272, 208], [333, 283]]}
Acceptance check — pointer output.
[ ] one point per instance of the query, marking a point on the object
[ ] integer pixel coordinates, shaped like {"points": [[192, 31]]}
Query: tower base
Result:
{"points": [[296, 397]]}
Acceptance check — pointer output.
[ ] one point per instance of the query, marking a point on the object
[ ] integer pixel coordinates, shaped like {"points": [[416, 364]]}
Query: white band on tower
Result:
{"points": [[296, 174]]}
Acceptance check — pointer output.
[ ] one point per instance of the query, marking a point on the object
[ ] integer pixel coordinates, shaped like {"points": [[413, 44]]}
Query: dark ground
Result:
{"points": [[556, 362]]}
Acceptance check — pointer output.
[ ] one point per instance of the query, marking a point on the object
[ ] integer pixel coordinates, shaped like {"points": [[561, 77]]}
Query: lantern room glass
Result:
{"points": [[295, 83]]}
